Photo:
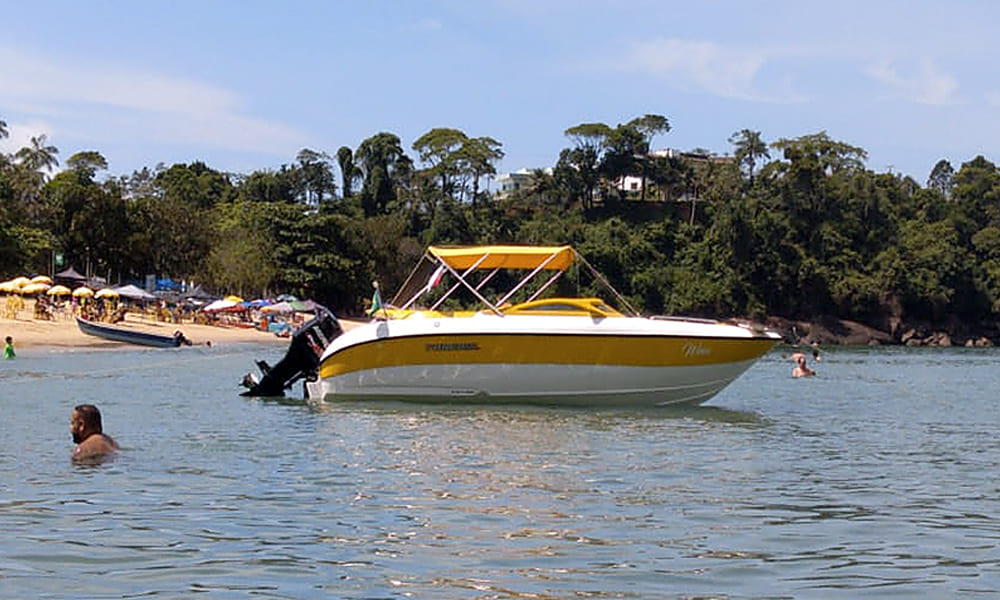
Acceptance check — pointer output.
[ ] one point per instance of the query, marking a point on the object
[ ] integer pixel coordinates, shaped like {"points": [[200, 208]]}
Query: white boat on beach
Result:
{"points": [[542, 350]]}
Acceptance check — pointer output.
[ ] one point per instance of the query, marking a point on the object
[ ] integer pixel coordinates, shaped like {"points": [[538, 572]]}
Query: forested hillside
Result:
{"points": [[796, 227]]}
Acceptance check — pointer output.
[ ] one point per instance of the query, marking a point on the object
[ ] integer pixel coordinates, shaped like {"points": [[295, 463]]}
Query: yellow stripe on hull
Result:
{"points": [[548, 349]]}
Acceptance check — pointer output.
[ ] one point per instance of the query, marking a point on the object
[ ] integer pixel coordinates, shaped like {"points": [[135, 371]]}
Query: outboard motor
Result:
{"points": [[301, 360]]}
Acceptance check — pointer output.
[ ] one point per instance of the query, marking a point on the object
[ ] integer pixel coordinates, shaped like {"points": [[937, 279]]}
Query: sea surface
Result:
{"points": [[879, 478]]}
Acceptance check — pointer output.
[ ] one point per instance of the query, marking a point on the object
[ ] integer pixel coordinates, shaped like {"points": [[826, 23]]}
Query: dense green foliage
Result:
{"points": [[798, 227]]}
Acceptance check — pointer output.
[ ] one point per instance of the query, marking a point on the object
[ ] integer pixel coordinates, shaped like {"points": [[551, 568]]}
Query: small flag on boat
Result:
{"points": [[376, 301], [435, 277]]}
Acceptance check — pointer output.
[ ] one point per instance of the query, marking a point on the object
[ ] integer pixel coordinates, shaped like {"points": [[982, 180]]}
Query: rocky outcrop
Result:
{"points": [[834, 331]]}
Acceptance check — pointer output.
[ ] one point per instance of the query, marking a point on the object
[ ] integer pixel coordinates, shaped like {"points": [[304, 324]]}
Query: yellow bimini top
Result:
{"points": [[553, 258]]}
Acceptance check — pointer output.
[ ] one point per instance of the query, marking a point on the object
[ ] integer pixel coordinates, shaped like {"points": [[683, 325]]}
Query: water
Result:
{"points": [[875, 479]]}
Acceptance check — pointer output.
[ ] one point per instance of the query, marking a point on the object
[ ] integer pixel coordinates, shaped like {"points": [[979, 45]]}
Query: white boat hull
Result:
{"points": [[569, 385], [538, 360]]}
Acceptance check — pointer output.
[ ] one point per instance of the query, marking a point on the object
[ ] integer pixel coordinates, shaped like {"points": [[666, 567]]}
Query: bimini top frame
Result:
{"points": [[462, 261]]}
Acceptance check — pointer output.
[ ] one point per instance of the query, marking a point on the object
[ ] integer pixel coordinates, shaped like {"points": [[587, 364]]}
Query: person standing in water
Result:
{"points": [[8, 350], [88, 433], [801, 370]]}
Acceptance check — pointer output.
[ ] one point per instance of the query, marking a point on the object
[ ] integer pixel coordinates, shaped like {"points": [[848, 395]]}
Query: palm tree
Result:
{"points": [[749, 148], [38, 157]]}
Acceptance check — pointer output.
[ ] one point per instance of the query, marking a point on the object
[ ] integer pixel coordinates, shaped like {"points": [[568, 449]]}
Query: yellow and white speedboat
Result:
{"points": [[558, 351]]}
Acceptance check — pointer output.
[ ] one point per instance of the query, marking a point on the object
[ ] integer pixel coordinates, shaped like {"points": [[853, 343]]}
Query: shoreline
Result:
{"points": [[65, 334]]}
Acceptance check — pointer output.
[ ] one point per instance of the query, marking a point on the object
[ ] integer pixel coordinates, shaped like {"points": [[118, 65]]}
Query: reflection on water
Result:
{"points": [[875, 478]]}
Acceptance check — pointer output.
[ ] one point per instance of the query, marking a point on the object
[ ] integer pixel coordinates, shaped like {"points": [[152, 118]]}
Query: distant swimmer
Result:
{"points": [[8, 350], [801, 370], [91, 441]]}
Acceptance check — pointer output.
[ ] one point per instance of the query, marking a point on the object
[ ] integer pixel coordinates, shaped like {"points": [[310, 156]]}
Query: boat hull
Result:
{"points": [[614, 363], [118, 334]]}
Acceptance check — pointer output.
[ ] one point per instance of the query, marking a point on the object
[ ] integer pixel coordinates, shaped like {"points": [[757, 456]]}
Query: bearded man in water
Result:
{"points": [[91, 441]]}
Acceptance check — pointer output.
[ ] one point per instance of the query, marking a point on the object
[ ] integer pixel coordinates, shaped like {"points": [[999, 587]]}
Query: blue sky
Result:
{"points": [[245, 85]]}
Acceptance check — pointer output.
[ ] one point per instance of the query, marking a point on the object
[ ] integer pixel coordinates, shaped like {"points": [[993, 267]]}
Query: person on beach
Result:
{"points": [[801, 370], [88, 434], [8, 350]]}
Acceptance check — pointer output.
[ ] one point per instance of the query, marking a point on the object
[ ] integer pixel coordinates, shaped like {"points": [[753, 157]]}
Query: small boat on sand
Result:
{"points": [[131, 336]]}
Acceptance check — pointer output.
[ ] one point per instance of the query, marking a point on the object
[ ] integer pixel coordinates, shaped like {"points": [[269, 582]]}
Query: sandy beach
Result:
{"points": [[64, 333]]}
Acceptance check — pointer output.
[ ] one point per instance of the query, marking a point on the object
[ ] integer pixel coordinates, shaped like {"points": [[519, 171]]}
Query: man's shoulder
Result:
{"points": [[98, 443]]}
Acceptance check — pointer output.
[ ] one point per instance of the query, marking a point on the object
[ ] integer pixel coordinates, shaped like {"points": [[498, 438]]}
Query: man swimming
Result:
{"points": [[91, 441], [801, 370]]}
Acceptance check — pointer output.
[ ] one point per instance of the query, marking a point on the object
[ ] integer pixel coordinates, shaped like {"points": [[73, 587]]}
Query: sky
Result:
{"points": [[245, 85]]}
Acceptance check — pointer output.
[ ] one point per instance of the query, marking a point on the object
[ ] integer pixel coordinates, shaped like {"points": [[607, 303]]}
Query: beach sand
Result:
{"points": [[64, 333]]}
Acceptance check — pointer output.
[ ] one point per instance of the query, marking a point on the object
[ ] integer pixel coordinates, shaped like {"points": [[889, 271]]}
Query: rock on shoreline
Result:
{"points": [[834, 331]]}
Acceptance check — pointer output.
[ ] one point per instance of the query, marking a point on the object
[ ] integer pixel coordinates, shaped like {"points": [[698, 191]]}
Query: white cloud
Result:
{"points": [[720, 70], [172, 108], [21, 134], [427, 24], [926, 85]]}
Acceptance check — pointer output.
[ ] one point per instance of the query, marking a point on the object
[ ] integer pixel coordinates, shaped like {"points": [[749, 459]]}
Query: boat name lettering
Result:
{"points": [[695, 349], [452, 347]]}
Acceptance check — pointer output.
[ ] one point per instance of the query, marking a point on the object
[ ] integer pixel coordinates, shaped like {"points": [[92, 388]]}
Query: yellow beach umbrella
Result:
{"points": [[106, 293], [83, 292], [233, 298], [34, 288], [9, 287], [20, 281], [41, 279], [58, 290]]}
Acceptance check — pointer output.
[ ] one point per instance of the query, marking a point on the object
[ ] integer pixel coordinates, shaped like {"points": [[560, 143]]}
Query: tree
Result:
{"points": [[648, 126], [88, 162], [590, 140], [942, 178], [38, 156], [384, 164], [477, 157], [438, 148], [316, 175], [748, 149], [349, 172]]}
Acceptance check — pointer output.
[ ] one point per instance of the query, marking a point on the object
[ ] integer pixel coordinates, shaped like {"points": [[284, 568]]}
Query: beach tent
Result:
{"points": [[70, 276], [134, 293], [281, 308]]}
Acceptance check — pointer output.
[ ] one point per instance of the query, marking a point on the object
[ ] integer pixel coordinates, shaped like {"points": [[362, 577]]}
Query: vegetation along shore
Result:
{"points": [[797, 232]]}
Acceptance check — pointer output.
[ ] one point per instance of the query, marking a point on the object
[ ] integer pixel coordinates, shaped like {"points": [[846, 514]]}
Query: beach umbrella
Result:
{"points": [[83, 292], [9, 287], [233, 298], [219, 305], [58, 290], [34, 288], [106, 293], [41, 279], [20, 282]]}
